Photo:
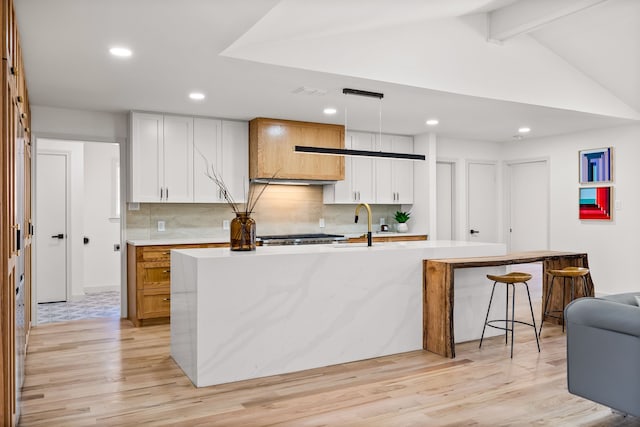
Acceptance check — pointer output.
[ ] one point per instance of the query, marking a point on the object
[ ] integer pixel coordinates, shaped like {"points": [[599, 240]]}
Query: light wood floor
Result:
{"points": [[108, 373]]}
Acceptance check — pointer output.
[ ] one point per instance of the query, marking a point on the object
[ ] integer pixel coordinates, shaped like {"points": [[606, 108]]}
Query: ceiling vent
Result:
{"points": [[306, 90]]}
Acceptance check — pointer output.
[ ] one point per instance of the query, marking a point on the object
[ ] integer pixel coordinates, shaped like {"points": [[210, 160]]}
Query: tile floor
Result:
{"points": [[101, 304]]}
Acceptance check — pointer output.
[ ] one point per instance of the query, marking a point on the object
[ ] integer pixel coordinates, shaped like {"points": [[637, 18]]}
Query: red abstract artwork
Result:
{"points": [[595, 203]]}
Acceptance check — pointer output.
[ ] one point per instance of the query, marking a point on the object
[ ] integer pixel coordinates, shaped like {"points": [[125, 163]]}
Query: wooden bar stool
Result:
{"points": [[565, 273], [510, 280]]}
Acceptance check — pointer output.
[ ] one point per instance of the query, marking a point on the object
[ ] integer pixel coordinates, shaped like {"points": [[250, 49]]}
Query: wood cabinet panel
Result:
{"points": [[382, 239], [149, 281], [271, 145]]}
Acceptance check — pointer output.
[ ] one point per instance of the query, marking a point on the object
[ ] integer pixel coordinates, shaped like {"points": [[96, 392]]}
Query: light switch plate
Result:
{"points": [[160, 225], [321, 222], [225, 224]]}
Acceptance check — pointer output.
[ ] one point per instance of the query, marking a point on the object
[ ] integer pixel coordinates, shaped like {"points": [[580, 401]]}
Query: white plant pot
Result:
{"points": [[402, 227]]}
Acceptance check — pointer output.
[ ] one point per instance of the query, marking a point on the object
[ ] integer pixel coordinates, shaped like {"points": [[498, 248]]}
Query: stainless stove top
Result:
{"points": [[301, 239]]}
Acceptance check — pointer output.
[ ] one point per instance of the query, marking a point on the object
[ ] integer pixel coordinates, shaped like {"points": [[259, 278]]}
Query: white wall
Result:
{"points": [[612, 245], [461, 152], [77, 124], [101, 226]]}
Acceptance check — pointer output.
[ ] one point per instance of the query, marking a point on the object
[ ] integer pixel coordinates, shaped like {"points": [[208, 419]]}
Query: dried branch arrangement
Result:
{"points": [[252, 196]]}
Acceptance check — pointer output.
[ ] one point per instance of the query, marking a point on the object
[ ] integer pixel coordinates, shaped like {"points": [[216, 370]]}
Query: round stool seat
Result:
{"points": [[514, 277], [570, 272]]}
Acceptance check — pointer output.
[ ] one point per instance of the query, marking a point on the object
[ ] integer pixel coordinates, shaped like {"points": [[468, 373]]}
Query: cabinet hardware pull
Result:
{"points": [[166, 192], [166, 299], [161, 193], [166, 253], [167, 271]]}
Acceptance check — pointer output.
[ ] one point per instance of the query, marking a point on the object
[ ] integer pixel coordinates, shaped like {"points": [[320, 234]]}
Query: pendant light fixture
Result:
{"points": [[361, 153]]}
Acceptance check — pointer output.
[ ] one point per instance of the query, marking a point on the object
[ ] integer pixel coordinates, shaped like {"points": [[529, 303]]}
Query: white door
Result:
{"points": [[482, 199], [235, 158], [207, 158], [51, 228], [362, 168], [528, 206], [444, 200], [147, 161]]}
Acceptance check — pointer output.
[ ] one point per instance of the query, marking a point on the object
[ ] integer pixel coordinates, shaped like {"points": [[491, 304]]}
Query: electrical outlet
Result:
{"points": [[160, 225], [225, 224], [321, 222], [383, 221]]}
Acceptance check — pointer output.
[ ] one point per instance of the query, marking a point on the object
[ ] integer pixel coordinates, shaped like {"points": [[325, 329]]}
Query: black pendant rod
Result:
{"points": [[359, 92]]}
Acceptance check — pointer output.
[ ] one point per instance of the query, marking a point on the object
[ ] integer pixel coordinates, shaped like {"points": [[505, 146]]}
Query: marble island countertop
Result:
{"points": [[225, 239], [441, 245], [278, 309]]}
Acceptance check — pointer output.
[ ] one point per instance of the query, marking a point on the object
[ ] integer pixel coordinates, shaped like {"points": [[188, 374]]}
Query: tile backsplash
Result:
{"points": [[282, 209]]}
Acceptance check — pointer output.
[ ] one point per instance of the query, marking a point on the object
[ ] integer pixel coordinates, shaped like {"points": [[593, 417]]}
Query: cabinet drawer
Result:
{"points": [[154, 253], [154, 305], [152, 274]]}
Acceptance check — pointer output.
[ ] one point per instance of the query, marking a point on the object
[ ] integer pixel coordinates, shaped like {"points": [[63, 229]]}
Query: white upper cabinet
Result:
{"points": [[235, 158], [207, 158], [146, 175], [394, 178], [221, 146], [169, 156], [358, 185], [161, 162], [178, 159], [369, 180]]}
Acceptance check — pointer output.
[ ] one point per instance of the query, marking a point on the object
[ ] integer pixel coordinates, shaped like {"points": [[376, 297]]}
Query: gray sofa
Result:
{"points": [[603, 350]]}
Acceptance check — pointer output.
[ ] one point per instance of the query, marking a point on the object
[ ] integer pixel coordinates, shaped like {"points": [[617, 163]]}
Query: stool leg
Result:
{"points": [[533, 319], [513, 308], [564, 299], [585, 286], [506, 316], [546, 303], [487, 316]]}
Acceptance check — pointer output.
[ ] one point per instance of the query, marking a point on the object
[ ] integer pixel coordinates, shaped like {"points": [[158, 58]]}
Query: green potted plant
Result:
{"points": [[402, 218]]}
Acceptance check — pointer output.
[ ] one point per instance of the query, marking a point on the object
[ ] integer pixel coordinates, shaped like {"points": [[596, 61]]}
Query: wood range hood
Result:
{"points": [[272, 156]]}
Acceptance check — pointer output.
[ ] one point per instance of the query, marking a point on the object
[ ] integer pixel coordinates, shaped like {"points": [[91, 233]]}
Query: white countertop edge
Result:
{"points": [[336, 248], [178, 241]]}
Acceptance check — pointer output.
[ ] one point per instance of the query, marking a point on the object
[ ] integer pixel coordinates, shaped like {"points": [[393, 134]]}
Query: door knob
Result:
{"points": [[58, 236], [474, 232]]}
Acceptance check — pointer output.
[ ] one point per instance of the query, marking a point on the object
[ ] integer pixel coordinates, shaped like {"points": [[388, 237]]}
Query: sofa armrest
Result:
{"points": [[604, 314]]}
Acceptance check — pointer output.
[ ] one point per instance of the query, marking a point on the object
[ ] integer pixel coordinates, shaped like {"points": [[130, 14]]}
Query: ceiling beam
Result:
{"points": [[528, 15]]}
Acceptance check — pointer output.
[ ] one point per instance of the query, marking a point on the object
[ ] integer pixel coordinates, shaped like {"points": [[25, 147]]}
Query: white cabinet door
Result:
{"points": [[207, 156], [178, 159], [358, 183], [146, 157], [362, 168], [402, 171], [235, 158], [394, 178], [385, 192]]}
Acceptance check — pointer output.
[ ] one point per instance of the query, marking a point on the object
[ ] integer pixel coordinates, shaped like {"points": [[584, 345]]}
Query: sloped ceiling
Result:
{"points": [[431, 58]]}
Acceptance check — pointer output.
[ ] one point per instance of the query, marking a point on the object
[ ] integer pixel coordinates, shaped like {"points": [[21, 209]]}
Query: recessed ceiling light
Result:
{"points": [[122, 52], [196, 96], [524, 129], [432, 122], [330, 111]]}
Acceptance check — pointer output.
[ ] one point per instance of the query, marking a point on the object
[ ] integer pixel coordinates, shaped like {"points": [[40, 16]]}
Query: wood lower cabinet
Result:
{"points": [[382, 239], [149, 281]]}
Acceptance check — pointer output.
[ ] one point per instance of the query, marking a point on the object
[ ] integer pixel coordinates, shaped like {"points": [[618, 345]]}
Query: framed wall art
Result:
{"points": [[595, 165], [595, 203]]}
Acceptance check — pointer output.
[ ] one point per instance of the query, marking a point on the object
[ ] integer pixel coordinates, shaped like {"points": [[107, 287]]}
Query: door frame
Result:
{"points": [[67, 223], [465, 229], [507, 195], [124, 166], [454, 193]]}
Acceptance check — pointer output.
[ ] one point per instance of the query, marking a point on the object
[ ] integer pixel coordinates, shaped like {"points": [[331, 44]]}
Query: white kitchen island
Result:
{"points": [[241, 315]]}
